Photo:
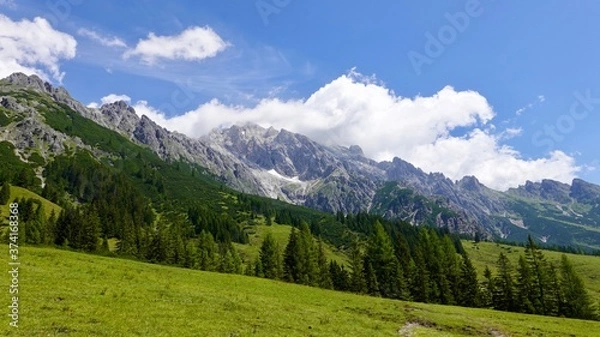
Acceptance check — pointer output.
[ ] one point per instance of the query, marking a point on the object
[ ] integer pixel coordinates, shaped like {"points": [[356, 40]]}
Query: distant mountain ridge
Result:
{"points": [[292, 167]]}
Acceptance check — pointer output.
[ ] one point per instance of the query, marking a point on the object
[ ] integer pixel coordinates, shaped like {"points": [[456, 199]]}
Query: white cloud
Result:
{"points": [[33, 47], [103, 40], [110, 99], [540, 99], [193, 44], [353, 109]]}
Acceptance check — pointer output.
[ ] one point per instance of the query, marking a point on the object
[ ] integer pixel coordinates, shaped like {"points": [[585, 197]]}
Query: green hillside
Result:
{"points": [[17, 192], [72, 294], [486, 254]]}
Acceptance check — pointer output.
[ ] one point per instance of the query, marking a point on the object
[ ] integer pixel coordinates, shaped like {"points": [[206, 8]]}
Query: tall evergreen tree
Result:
{"points": [[381, 256], [372, 284], [90, 230], [339, 276], [207, 252], [291, 259], [450, 270], [324, 277], [270, 258], [308, 258], [525, 288], [420, 284], [487, 289], [576, 302], [468, 285], [541, 298], [504, 289], [357, 276], [5, 193]]}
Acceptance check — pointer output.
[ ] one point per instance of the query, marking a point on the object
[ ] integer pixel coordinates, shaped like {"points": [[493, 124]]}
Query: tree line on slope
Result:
{"points": [[537, 286]]}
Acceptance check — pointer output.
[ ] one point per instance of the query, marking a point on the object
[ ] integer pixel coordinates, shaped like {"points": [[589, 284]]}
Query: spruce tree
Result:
{"points": [[420, 284], [5, 193], [487, 289], [90, 230], [450, 271], [576, 302], [207, 252], [504, 288], [308, 273], [542, 299], [381, 256], [339, 276], [291, 258], [270, 258], [372, 284], [324, 277], [468, 286], [357, 276], [525, 288]]}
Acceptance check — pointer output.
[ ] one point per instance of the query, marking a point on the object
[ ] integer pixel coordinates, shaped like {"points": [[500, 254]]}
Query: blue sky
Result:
{"points": [[524, 78]]}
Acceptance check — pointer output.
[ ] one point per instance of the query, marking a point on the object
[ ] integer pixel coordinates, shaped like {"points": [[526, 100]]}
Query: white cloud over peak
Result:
{"points": [[103, 40], [353, 109], [111, 98], [193, 44], [33, 47]]}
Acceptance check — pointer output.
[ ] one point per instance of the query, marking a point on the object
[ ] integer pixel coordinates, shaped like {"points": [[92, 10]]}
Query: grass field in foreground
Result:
{"points": [[486, 253], [73, 294]]}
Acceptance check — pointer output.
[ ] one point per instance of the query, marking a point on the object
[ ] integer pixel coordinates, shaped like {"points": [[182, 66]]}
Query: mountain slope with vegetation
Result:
{"points": [[122, 198]]}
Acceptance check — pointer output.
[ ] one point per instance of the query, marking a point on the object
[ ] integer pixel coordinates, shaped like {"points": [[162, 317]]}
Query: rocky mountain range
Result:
{"points": [[290, 166]]}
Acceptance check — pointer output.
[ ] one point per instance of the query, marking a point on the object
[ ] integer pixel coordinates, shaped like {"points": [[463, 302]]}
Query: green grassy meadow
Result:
{"points": [[65, 293], [486, 253]]}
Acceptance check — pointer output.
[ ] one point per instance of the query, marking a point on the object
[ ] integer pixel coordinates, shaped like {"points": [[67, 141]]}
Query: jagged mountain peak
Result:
{"points": [[283, 164]]}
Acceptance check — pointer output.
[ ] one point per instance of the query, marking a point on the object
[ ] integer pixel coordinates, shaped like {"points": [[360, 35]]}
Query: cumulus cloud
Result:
{"points": [[33, 47], [111, 98], [103, 40], [353, 109], [193, 44]]}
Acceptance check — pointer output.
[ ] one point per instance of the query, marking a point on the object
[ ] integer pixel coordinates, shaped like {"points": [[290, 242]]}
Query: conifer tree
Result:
{"points": [[525, 288], [541, 299], [49, 229], [468, 285], [207, 252], [291, 258], [372, 284], [504, 288], [308, 273], [420, 284], [324, 277], [487, 289], [270, 258], [339, 276], [5, 193], [450, 271], [380, 253], [357, 277], [576, 302], [90, 230]]}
